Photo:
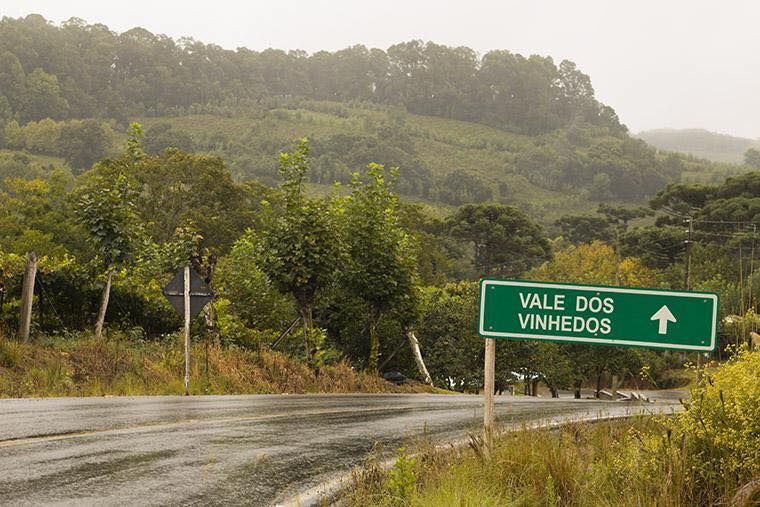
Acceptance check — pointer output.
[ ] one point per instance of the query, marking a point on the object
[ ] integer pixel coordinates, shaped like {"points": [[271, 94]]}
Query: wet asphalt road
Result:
{"points": [[255, 450]]}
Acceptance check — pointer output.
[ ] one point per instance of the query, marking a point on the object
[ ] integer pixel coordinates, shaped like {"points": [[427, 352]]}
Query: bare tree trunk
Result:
{"points": [[578, 389], [616, 382], [374, 342], [27, 298], [212, 323], [598, 383], [103, 307], [308, 326], [415, 345], [212, 326]]}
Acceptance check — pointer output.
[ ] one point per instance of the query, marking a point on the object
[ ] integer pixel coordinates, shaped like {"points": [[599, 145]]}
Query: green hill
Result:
{"points": [[700, 143], [461, 128]]}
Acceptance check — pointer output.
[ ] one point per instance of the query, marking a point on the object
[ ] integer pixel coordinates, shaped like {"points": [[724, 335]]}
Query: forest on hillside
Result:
{"points": [[79, 70], [460, 127]]}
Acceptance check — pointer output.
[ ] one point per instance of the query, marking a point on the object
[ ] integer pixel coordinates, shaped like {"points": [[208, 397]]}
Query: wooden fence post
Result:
{"points": [[27, 295]]}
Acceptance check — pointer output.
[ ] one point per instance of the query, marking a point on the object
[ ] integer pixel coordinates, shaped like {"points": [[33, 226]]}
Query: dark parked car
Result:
{"points": [[396, 377]]}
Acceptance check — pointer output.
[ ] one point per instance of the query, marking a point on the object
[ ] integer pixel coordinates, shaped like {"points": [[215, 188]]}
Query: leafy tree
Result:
{"points": [[42, 97], [105, 207], [84, 143], [453, 350], [439, 257], [584, 228], [162, 136], [618, 217], [594, 263], [301, 249], [752, 158], [460, 187], [381, 271], [247, 292], [680, 201], [657, 247], [506, 242]]}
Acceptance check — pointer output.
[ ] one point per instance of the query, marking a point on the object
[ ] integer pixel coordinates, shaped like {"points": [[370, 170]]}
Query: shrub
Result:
{"points": [[721, 426]]}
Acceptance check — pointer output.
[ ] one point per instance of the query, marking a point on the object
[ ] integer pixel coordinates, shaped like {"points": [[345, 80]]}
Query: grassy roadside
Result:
{"points": [[708, 454], [577, 464], [85, 367]]}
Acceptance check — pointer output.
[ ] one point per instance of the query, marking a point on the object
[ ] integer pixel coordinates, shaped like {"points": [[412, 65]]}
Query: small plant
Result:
{"points": [[401, 480], [11, 354], [550, 491]]}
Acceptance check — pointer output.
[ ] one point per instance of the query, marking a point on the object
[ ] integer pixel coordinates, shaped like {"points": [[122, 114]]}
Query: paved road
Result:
{"points": [[256, 450]]}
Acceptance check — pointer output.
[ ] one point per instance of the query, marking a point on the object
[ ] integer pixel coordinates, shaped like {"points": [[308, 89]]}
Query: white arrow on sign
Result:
{"points": [[664, 315]]}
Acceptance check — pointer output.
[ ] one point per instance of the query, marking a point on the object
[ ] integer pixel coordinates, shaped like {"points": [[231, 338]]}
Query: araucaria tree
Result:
{"points": [[301, 250], [382, 266]]}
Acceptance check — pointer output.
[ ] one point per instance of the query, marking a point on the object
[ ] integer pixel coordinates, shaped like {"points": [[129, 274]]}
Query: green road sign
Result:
{"points": [[598, 315]]}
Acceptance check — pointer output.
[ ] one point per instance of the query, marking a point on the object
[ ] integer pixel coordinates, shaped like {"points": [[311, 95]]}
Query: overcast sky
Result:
{"points": [[659, 63]]}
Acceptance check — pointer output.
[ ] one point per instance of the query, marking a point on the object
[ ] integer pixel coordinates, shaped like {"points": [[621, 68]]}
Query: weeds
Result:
{"points": [[707, 455], [81, 366]]}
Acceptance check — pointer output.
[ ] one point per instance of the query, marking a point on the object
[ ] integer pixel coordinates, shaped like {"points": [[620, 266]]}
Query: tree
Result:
{"points": [[752, 158], [460, 187], [505, 240], [618, 217], [453, 350], [301, 249], [382, 267], [105, 206], [84, 143], [42, 97], [584, 228], [106, 209], [162, 136]]}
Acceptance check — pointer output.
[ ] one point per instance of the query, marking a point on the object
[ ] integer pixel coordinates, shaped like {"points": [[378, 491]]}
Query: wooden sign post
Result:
{"points": [[488, 392]]}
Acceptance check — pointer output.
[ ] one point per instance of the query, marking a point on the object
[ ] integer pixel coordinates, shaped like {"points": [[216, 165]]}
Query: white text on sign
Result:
{"points": [[566, 323]]}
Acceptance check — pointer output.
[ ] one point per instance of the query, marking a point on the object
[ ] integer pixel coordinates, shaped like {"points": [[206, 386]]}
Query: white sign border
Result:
{"points": [[618, 290]]}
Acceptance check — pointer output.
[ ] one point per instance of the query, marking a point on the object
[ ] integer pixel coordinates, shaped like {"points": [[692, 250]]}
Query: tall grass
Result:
{"points": [[86, 367], [578, 465], [708, 454]]}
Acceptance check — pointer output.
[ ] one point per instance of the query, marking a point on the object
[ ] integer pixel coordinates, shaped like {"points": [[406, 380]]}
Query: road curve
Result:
{"points": [[255, 450]]}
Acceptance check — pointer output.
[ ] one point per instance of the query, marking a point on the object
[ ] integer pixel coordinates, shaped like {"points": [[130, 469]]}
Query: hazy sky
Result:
{"points": [[659, 63]]}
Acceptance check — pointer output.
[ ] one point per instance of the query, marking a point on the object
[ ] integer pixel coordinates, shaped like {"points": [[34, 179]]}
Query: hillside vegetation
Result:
{"points": [[461, 128]]}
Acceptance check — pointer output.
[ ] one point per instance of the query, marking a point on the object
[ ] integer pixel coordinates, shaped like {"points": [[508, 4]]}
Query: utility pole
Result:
{"points": [[752, 269], [488, 391], [186, 295], [687, 276], [27, 295], [687, 273]]}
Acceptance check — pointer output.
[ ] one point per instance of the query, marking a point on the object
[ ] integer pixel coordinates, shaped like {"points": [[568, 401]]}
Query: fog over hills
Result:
{"points": [[700, 143]]}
